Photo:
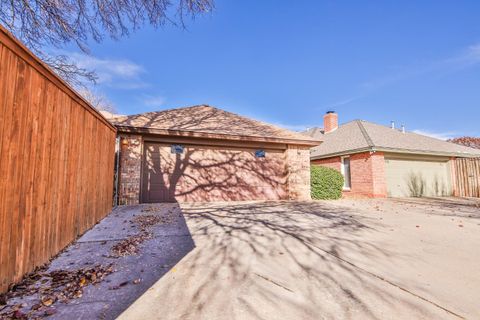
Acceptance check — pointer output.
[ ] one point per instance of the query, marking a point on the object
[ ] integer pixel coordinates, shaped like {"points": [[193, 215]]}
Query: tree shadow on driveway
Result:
{"points": [[284, 260]]}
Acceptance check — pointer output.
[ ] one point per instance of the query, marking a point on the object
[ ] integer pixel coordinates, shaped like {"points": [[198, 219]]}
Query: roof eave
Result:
{"points": [[199, 134], [429, 152], [340, 153], [396, 150]]}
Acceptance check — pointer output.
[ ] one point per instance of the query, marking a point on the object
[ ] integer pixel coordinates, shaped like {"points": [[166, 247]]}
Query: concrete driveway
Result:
{"points": [[348, 259]]}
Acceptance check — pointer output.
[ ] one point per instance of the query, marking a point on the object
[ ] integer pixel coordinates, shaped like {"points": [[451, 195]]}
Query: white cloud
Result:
{"points": [[120, 73], [466, 58], [153, 101], [341, 103], [473, 52], [438, 135], [293, 127]]}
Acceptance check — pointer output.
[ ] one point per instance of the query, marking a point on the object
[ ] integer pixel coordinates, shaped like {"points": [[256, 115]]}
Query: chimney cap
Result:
{"points": [[330, 111]]}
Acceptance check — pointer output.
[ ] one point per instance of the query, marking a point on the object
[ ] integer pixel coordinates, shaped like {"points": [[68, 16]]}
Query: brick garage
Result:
{"points": [[203, 153], [379, 161]]}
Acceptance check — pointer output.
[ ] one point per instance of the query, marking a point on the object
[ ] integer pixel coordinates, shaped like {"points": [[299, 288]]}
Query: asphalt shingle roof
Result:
{"points": [[207, 120], [360, 135]]}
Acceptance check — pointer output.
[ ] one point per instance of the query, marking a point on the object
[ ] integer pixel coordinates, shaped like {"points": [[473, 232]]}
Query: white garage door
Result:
{"points": [[417, 177]]}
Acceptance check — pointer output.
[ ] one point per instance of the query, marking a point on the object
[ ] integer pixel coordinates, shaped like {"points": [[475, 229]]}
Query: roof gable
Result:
{"points": [[205, 120]]}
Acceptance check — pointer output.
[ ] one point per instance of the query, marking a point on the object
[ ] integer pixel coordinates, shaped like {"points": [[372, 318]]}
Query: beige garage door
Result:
{"points": [[417, 177], [205, 173]]}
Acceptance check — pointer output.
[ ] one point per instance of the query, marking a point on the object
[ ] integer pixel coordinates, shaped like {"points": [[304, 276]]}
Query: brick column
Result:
{"points": [[298, 165], [130, 169], [379, 180]]}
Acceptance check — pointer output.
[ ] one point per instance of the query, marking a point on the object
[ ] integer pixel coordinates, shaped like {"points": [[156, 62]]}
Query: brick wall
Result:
{"points": [[130, 169], [367, 173], [298, 162], [379, 189], [334, 163]]}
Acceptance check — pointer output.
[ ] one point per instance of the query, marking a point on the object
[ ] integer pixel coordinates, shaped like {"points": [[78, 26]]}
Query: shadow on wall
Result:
{"points": [[277, 257], [418, 186], [212, 174]]}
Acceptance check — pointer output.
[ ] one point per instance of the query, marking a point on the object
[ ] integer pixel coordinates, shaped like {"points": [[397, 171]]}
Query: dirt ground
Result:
{"points": [[348, 259]]}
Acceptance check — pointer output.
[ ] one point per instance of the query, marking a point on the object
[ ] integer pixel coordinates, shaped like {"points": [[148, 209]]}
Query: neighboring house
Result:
{"points": [[202, 153], [381, 161]]}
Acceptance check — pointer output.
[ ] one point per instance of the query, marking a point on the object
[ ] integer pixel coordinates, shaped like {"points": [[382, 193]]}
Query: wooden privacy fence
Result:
{"points": [[56, 162], [467, 177]]}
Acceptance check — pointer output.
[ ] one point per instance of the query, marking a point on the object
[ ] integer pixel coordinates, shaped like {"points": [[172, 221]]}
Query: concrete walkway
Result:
{"points": [[373, 259], [151, 239]]}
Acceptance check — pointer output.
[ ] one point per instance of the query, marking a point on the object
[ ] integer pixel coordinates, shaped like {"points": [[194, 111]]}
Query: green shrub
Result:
{"points": [[326, 183]]}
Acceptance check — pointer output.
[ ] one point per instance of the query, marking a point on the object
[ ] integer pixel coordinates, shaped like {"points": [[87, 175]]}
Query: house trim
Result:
{"points": [[396, 150], [200, 134]]}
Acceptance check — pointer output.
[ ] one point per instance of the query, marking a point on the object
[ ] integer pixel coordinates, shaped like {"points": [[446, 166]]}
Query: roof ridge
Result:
{"points": [[365, 133], [168, 109]]}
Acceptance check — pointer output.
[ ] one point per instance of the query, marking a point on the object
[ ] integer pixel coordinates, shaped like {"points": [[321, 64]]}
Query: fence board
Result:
{"points": [[56, 162], [467, 177]]}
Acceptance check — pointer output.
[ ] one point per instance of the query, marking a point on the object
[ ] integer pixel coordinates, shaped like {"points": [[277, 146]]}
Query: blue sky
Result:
{"points": [[287, 62]]}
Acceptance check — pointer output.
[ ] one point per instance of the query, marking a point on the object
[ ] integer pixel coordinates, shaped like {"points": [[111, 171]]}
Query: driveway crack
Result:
{"points": [[274, 282], [388, 281]]}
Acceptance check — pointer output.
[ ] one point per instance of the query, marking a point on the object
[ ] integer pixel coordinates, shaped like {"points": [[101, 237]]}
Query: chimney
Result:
{"points": [[392, 124], [330, 121], [403, 128]]}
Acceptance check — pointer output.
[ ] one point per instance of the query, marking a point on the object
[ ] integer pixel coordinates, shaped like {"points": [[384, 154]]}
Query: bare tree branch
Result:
{"points": [[42, 24], [97, 100]]}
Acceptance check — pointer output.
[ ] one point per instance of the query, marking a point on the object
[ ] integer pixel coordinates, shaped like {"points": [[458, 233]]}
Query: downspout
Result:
{"points": [[116, 172]]}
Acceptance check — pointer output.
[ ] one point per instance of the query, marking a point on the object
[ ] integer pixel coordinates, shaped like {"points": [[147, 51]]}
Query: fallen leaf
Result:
{"points": [[47, 301]]}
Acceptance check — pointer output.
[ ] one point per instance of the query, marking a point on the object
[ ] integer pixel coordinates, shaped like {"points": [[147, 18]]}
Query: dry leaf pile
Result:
{"points": [[130, 245], [49, 288]]}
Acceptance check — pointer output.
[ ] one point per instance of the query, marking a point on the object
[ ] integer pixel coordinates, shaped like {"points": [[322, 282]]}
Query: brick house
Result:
{"points": [[202, 153], [381, 161]]}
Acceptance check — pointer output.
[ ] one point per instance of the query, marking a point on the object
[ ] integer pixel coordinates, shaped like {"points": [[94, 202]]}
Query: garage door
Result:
{"points": [[204, 173], [417, 177]]}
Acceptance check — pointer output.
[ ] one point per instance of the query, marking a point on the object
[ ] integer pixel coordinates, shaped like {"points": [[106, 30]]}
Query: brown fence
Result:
{"points": [[56, 162], [467, 177]]}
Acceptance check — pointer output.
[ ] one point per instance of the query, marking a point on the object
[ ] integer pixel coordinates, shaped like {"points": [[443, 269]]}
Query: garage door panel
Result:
{"points": [[413, 178], [212, 174]]}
